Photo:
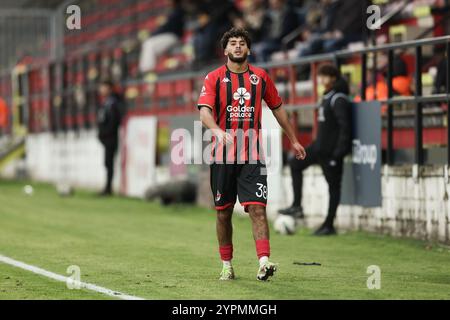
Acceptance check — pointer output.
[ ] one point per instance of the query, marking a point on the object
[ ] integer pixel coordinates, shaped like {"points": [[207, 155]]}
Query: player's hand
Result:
{"points": [[299, 151], [223, 137]]}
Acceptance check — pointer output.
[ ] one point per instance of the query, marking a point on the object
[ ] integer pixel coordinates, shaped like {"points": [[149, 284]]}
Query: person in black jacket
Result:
{"points": [[108, 122], [333, 142]]}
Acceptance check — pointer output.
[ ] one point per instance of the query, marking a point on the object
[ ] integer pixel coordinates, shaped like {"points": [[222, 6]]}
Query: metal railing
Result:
{"points": [[418, 99], [338, 57]]}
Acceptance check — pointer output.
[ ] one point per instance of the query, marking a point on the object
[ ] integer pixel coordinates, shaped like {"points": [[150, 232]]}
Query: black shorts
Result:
{"points": [[247, 181]]}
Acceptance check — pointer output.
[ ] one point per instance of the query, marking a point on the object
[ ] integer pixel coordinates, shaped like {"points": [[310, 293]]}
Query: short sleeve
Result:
{"points": [[208, 93], [271, 96]]}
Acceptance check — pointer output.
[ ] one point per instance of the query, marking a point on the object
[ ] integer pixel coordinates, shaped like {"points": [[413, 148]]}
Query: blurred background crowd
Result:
{"points": [[152, 50]]}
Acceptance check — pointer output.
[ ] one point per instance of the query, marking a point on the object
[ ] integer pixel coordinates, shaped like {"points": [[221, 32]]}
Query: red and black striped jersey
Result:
{"points": [[236, 103]]}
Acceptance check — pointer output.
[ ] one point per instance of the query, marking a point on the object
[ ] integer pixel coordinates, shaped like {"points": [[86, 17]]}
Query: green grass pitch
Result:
{"points": [[155, 252]]}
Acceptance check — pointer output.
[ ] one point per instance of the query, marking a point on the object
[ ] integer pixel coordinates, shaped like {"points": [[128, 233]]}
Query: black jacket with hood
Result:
{"points": [[334, 135], [108, 120]]}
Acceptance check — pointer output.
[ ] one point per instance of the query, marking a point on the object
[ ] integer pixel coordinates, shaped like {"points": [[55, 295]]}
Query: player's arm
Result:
{"points": [[274, 103], [283, 119], [205, 104], [207, 119]]}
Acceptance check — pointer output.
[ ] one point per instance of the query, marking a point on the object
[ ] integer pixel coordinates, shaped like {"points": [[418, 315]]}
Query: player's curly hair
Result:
{"points": [[328, 69], [236, 33]]}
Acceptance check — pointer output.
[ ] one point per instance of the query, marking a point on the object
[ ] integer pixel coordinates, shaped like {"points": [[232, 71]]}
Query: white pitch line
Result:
{"points": [[57, 277]]}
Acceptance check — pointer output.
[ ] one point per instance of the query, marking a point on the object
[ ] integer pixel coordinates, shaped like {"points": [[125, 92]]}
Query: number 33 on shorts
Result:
{"points": [[262, 191]]}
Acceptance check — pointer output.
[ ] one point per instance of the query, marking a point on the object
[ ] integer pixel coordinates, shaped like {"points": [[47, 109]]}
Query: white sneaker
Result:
{"points": [[227, 273], [266, 270]]}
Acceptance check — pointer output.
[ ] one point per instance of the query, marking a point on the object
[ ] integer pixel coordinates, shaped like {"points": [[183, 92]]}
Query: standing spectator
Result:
{"points": [[329, 149], [164, 38], [280, 19], [108, 121]]}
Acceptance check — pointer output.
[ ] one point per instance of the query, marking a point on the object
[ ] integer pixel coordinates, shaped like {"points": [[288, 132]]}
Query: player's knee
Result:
{"points": [[257, 212], [224, 215]]}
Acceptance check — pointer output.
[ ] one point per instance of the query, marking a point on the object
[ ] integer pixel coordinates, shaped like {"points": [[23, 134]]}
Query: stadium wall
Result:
{"points": [[417, 208], [70, 158], [76, 158]]}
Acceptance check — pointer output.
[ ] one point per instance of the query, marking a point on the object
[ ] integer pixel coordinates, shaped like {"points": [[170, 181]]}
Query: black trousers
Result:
{"points": [[110, 152], [332, 170]]}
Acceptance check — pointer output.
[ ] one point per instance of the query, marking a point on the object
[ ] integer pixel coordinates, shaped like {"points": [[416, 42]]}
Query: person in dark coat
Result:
{"points": [[108, 122], [333, 143]]}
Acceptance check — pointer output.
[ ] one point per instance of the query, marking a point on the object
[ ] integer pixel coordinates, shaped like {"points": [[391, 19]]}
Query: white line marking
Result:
{"points": [[64, 279]]}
